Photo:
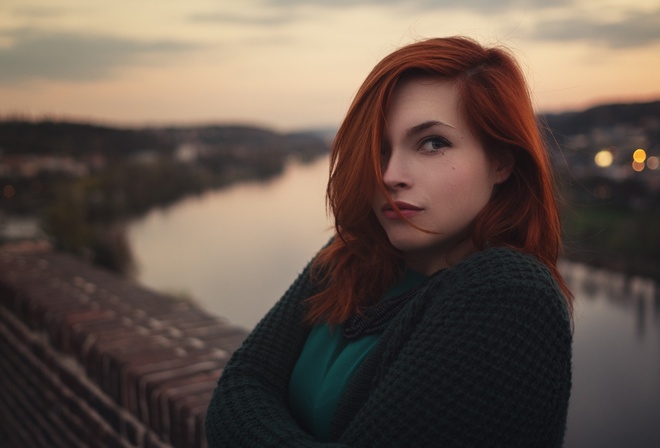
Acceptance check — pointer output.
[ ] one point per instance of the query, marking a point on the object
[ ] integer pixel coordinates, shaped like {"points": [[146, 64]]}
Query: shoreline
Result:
{"points": [[629, 265]]}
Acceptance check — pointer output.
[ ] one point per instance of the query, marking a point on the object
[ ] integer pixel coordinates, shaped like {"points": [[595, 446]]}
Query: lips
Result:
{"points": [[407, 210]]}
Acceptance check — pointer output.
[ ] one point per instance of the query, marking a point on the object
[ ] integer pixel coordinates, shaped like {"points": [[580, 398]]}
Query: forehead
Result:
{"points": [[423, 99]]}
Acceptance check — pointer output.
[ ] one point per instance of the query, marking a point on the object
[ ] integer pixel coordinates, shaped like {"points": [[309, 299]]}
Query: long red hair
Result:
{"points": [[360, 264]]}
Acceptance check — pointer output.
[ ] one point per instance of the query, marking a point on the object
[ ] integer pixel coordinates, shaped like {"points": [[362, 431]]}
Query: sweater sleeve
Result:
{"points": [[487, 365], [249, 405]]}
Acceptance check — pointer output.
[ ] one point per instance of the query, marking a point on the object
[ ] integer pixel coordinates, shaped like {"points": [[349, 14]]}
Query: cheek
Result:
{"points": [[470, 191]]}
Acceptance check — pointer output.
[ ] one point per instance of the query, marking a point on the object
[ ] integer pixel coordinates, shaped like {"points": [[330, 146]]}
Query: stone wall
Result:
{"points": [[91, 359]]}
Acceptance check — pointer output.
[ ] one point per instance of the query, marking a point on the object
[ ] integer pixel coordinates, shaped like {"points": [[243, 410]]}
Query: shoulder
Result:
{"points": [[501, 264], [503, 303], [500, 280], [499, 267]]}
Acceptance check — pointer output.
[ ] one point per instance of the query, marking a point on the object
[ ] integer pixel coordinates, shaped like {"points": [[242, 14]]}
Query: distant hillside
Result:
{"points": [[46, 137], [641, 115], [71, 139], [75, 139], [253, 139]]}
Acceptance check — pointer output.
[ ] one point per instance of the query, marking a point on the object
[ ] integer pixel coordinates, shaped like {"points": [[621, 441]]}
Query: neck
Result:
{"points": [[433, 259]]}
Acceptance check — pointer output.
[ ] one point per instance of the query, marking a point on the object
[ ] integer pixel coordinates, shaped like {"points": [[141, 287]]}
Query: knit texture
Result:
{"points": [[375, 318], [480, 356]]}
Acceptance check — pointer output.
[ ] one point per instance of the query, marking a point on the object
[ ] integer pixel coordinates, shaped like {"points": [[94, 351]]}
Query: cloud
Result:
{"points": [[33, 12], [236, 19], [276, 13], [637, 28], [75, 57], [478, 6]]}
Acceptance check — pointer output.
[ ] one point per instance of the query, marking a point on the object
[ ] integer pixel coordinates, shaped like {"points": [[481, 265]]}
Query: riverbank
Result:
{"points": [[614, 237], [626, 264]]}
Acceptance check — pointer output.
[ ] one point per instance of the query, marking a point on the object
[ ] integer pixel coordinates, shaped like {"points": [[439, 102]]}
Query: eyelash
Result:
{"points": [[443, 143]]}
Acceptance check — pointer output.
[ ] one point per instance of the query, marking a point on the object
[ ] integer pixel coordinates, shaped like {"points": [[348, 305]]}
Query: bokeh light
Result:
{"points": [[652, 163], [639, 155], [604, 158], [637, 166]]}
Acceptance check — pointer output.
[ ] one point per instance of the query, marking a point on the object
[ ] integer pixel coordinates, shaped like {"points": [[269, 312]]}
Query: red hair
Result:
{"points": [[360, 264]]}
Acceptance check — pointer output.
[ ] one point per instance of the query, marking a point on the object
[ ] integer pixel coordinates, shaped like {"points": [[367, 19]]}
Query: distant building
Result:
{"points": [[31, 166]]}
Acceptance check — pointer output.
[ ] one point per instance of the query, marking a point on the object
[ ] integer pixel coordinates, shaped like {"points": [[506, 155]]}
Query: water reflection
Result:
{"points": [[616, 360], [634, 294], [236, 250]]}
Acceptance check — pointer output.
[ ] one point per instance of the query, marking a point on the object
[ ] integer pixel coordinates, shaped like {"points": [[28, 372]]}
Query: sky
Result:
{"points": [[296, 64]]}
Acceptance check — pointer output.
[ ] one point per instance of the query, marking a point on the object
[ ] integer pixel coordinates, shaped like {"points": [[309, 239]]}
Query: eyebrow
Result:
{"points": [[424, 126]]}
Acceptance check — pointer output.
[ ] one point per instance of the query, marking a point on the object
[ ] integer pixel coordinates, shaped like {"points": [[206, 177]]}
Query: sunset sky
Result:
{"points": [[291, 64]]}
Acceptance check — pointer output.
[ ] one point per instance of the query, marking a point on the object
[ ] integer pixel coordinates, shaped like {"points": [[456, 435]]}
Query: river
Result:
{"points": [[235, 251]]}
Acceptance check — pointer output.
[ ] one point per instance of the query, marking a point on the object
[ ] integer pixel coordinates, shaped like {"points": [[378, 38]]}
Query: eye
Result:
{"points": [[434, 144]]}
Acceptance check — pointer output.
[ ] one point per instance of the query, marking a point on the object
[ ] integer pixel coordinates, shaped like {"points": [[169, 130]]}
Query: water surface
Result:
{"points": [[236, 250]]}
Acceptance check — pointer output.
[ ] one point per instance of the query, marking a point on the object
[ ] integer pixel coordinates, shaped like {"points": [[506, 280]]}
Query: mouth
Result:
{"points": [[407, 210]]}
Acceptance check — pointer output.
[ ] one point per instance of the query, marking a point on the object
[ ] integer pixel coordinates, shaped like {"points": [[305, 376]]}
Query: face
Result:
{"points": [[436, 172]]}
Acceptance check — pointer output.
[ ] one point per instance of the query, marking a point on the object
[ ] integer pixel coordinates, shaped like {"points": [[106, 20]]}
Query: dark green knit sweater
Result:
{"points": [[479, 357]]}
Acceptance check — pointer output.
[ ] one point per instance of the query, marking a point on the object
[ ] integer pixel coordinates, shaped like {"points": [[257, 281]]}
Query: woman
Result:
{"points": [[436, 315]]}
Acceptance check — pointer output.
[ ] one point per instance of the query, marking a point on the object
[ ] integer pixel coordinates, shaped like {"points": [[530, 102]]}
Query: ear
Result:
{"points": [[503, 163]]}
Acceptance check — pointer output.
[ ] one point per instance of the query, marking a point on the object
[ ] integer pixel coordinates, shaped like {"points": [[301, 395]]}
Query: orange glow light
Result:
{"points": [[638, 166], [639, 155]]}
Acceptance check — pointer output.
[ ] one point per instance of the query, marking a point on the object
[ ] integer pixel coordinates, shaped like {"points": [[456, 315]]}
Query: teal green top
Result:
{"points": [[326, 365]]}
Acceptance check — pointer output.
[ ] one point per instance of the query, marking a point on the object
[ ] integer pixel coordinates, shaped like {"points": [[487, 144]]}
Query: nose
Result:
{"points": [[396, 174]]}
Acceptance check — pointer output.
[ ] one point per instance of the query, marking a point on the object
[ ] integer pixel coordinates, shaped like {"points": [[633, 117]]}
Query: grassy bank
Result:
{"points": [[614, 237]]}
